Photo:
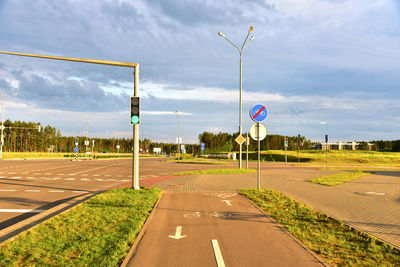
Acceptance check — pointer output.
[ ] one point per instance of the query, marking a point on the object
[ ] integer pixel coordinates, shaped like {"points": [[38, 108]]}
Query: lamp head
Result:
{"points": [[251, 29], [221, 34]]}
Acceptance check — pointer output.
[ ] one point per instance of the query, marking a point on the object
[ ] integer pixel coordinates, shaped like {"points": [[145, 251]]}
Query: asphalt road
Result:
{"points": [[215, 229], [29, 187]]}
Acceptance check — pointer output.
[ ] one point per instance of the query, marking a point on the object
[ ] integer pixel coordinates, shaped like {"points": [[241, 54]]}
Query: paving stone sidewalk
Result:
{"points": [[370, 204]]}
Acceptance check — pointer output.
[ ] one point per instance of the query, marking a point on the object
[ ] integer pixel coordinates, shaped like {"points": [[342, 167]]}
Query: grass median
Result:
{"points": [[98, 232], [215, 171], [334, 241], [339, 178]]}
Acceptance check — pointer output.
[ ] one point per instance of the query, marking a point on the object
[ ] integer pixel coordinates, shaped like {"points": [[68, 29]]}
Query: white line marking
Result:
{"points": [[20, 210], [16, 177], [125, 180], [7, 190], [98, 179], [30, 177], [32, 190], [80, 191], [56, 191], [69, 179], [217, 253], [84, 179], [96, 175], [377, 194], [178, 233], [228, 202]]}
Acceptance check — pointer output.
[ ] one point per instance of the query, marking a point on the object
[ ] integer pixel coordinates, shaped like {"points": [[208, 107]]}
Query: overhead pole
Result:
{"points": [[135, 146]]}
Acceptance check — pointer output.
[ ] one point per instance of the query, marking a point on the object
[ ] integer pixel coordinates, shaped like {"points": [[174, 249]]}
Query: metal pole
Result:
{"points": [[179, 148], [258, 167], [247, 150], [135, 158], [2, 126], [298, 150], [326, 148], [240, 112], [285, 156]]}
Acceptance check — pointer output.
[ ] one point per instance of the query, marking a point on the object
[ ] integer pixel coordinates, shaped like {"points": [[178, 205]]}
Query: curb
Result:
{"points": [[139, 237], [318, 258], [10, 233]]}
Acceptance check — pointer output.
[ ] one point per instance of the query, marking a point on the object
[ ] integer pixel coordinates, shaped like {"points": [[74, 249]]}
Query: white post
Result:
{"points": [[247, 150]]}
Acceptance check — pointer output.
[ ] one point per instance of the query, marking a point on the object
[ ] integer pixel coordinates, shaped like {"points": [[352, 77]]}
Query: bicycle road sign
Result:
{"points": [[258, 113]]}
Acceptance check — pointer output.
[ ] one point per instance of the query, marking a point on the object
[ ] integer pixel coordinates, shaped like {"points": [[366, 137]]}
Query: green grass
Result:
{"points": [[98, 232], [356, 157], [216, 171], [337, 243], [339, 178]]}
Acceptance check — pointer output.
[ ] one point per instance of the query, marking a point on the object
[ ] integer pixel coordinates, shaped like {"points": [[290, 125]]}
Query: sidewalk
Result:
{"points": [[370, 204]]}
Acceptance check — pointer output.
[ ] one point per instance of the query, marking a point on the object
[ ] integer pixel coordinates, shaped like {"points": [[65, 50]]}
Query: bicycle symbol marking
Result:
{"points": [[198, 214]]}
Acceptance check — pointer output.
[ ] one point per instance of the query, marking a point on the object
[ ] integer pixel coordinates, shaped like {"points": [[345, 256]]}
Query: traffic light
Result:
{"points": [[135, 110]]}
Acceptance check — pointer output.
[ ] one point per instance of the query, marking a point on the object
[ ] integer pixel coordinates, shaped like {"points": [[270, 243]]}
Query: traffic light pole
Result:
{"points": [[135, 150], [135, 161]]}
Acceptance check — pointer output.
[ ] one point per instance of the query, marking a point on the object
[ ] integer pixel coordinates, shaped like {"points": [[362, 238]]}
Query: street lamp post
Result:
{"points": [[2, 121], [177, 114], [240, 50]]}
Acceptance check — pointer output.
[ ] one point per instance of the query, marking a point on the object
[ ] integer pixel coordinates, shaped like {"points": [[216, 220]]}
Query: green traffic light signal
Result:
{"points": [[135, 119]]}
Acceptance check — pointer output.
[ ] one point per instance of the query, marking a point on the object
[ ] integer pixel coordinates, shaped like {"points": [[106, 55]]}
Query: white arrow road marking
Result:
{"points": [[228, 202], [217, 253], [178, 233]]}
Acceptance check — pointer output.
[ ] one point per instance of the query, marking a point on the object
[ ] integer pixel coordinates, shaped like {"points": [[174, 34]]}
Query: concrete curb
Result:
{"points": [[139, 237], [318, 258], [10, 233]]}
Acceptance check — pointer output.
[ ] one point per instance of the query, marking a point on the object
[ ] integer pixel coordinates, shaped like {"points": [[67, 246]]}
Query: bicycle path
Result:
{"points": [[215, 229]]}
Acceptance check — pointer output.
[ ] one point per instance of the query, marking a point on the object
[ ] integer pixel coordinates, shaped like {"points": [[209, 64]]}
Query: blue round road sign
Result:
{"points": [[258, 113], [76, 149]]}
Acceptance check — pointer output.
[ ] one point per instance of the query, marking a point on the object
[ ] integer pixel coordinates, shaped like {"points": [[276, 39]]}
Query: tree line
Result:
{"points": [[225, 142], [20, 136]]}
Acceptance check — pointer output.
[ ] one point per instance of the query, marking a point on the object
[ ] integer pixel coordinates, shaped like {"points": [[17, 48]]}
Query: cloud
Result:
{"points": [[165, 113]]}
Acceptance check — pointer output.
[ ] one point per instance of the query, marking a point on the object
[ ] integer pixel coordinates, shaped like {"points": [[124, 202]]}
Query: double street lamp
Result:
{"points": [[240, 50], [3, 99]]}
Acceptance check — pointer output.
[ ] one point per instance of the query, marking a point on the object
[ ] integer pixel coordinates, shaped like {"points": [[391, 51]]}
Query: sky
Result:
{"points": [[319, 66]]}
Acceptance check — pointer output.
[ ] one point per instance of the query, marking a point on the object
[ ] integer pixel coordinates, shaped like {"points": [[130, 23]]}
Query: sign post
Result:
{"points": [[247, 150], [298, 149], [76, 149], [258, 132], [326, 148], [286, 146]]}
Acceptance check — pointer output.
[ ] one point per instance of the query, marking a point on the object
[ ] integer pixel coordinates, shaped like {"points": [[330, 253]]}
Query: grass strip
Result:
{"points": [[216, 171], [334, 241], [339, 178], [98, 232], [197, 162]]}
